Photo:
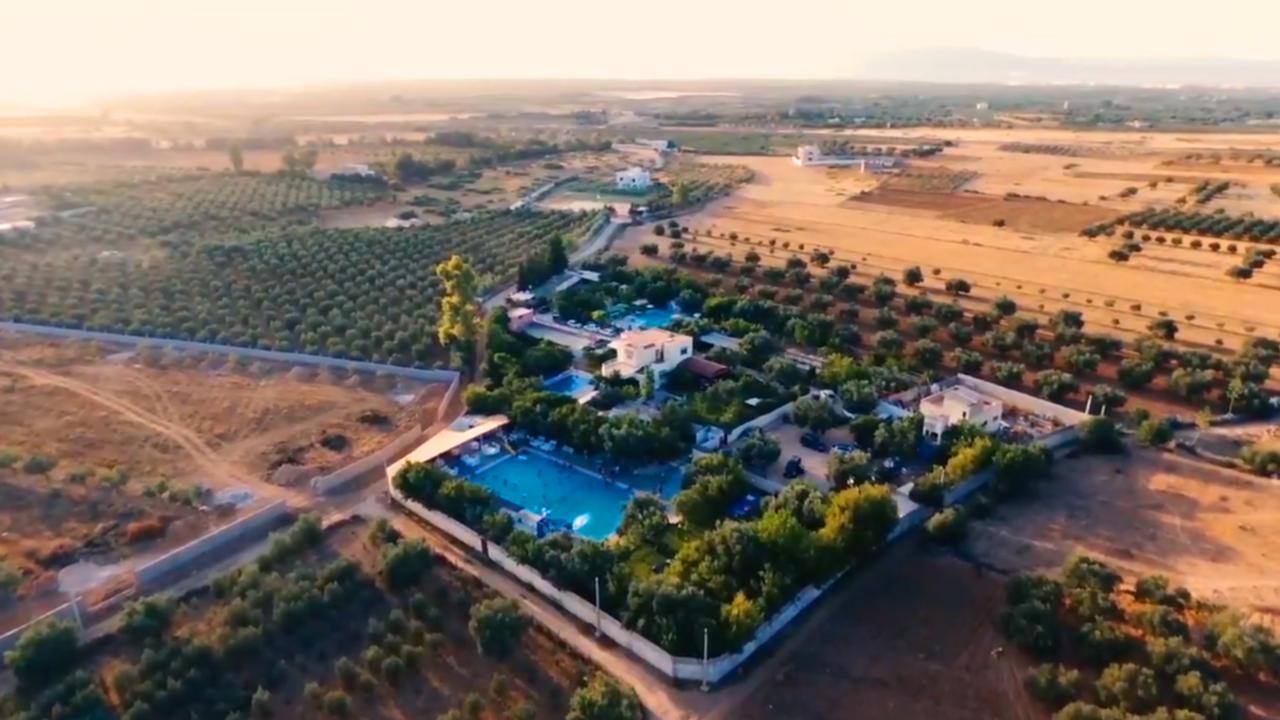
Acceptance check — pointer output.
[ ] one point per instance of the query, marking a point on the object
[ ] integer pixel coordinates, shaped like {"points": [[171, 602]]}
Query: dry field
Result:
{"points": [[1215, 531], [909, 638], [1038, 258], [207, 420]]}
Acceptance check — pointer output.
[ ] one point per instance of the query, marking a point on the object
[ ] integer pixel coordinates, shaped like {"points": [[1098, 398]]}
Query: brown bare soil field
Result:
{"points": [[1216, 531], [1034, 215], [1056, 270], [917, 200], [912, 640]]}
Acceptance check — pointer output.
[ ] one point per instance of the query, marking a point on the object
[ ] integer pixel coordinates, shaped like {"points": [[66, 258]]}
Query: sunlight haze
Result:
{"points": [[69, 51]]}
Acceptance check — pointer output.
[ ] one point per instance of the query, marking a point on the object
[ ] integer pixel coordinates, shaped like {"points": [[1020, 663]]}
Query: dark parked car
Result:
{"points": [[794, 468], [813, 441]]}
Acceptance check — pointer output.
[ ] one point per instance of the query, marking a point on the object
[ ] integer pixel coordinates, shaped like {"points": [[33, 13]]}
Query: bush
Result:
{"points": [[948, 526], [44, 654], [1155, 432], [147, 619], [404, 563], [39, 465], [1099, 435], [604, 699], [1054, 685], [1128, 687], [497, 626]]}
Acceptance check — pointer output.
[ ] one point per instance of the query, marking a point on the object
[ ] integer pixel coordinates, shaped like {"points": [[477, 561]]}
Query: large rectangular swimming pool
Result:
{"points": [[651, 318], [572, 498], [574, 383]]}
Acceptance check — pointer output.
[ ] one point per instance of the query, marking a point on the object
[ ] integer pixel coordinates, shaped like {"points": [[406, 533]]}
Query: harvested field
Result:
{"points": [[928, 179], [938, 202], [1034, 215], [1044, 267], [1214, 530], [208, 421], [911, 638]]}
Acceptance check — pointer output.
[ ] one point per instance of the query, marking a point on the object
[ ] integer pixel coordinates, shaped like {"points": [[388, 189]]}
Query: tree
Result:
{"points": [[148, 618], [643, 521], [927, 354], [497, 626], [679, 194], [1128, 687], [856, 522], [947, 526], [1155, 432], [958, 286], [1005, 305], [44, 654], [602, 698], [1008, 373], [912, 276], [557, 257], [759, 451], [1054, 685], [39, 465], [1054, 385], [337, 704], [260, 705], [237, 158], [815, 414], [404, 563], [459, 308], [1100, 435], [852, 468], [1163, 328]]}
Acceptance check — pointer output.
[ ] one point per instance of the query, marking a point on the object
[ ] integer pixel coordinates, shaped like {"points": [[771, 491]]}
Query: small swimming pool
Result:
{"points": [[651, 318], [574, 498], [574, 383]]}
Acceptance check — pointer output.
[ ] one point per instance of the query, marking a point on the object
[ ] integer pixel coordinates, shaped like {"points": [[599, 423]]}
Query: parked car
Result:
{"points": [[794, 468], [813, 441], [842, 448]]}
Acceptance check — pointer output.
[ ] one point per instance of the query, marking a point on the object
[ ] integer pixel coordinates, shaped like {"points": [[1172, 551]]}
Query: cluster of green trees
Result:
{"points": [[364, 294], [488, 151], [1217, 224], [1142, 643], [538, 268], [722, 577]]}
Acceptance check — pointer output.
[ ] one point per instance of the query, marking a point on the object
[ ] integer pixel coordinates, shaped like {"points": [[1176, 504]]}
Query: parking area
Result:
{"points": [[814, 461]]}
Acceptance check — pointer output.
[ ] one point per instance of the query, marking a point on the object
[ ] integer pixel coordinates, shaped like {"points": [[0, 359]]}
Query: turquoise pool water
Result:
{"points": [[591, 506], [573, 383], [651, 318]]}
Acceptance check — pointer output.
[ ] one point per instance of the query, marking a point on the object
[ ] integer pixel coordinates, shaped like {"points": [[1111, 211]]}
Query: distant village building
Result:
{"points": [[982, 106], [812, 156], [662, 145], [634, 178], [658, 351]]}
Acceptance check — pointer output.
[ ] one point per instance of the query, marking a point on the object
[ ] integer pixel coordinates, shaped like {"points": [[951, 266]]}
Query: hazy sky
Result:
{"points": [[68, 50]]}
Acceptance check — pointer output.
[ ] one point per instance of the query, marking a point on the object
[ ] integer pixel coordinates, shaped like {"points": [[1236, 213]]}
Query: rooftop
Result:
{"points": [[704, 368], [647, 337], [959, 396], [459, 433]]}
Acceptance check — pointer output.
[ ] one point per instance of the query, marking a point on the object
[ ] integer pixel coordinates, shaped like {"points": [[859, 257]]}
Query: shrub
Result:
{"points": [[947, 526], [44, 654], [1054, 685], [39, 465], [497, 626], [1128, 687], [1155, 432], [604, 699]]}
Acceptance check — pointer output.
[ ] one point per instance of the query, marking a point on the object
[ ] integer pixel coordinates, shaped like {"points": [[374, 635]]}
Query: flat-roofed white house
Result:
{"points": [[659, 351], [633, 178], [956, 405]]}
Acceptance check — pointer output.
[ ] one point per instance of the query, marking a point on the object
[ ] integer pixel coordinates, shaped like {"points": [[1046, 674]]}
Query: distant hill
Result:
{"points": [[972, 65]]}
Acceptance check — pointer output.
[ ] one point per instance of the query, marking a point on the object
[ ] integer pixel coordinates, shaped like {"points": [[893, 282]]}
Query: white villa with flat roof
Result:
{"points": [[634, 178], [958, 404], [651, 349]]}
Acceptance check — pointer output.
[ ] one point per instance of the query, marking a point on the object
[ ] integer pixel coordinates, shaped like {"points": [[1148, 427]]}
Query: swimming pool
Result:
{"points": [[571, 497], [651, 318], [574, 383]]}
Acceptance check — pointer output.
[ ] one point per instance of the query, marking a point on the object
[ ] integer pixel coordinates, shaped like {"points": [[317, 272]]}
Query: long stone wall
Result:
{"points": [[65, 612], [259, 521], [434, 376]]}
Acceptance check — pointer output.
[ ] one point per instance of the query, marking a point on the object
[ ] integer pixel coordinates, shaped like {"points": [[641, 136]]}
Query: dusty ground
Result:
{"points": [[1214, 530], [912, 641], [1038, 258], [144, 430]]}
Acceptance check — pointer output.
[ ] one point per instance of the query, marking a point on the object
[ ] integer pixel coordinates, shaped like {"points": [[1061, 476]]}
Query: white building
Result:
{"points": [[634, 178], [644, 350], [812, 156], [958, 404]]}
